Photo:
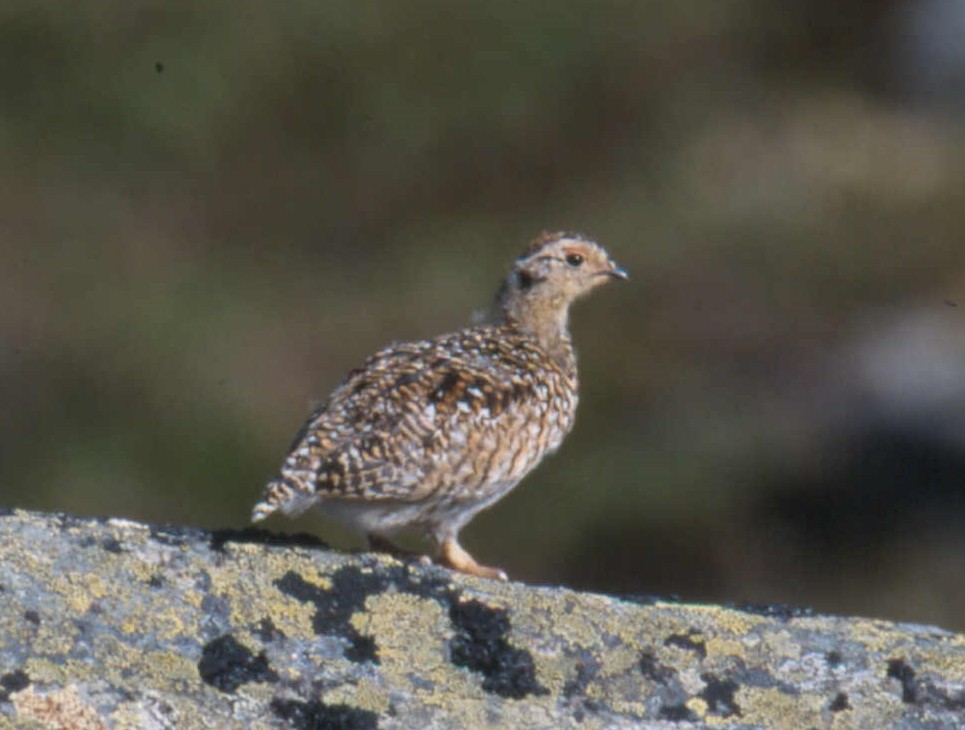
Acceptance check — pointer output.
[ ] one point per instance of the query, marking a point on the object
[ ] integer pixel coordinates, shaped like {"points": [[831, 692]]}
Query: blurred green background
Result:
{"points": [[210, 212]]}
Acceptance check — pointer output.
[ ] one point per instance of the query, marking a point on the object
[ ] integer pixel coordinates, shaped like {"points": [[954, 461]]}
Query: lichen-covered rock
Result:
{"points": [[115, 624]]}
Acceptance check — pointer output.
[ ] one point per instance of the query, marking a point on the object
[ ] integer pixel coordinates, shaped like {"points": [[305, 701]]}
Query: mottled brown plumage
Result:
{"points": [[426, 434]]}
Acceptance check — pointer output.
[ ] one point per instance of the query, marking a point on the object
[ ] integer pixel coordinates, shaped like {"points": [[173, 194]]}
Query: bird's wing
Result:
{"points": [[408, 421]]}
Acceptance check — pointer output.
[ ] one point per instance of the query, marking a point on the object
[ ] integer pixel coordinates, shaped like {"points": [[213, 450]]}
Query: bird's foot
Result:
{"points": [[452, 555]]}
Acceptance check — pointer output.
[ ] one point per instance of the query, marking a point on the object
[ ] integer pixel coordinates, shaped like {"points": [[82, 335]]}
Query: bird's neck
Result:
{"points": [[546, 321]]}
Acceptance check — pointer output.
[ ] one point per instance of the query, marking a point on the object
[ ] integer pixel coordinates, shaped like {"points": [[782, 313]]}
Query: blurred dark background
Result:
{"points": [[210, 212]]}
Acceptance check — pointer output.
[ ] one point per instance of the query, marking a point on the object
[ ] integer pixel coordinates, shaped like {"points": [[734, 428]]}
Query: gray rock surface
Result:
{"points": [[116, 624]]}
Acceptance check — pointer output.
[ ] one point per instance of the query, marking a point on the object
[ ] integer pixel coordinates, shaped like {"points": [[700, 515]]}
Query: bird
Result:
{"points": [[426, 434]]}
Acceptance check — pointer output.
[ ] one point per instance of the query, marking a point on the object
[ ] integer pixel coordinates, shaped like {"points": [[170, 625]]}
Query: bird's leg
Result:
{"points": [[452, 555]]}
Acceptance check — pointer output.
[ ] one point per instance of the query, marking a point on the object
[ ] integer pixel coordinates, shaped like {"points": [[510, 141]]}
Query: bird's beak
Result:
{"points": [[617, 271]]}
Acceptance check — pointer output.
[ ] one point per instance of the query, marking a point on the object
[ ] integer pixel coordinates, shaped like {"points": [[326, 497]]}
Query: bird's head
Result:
{"points": [[556, 270], [564, 266]]}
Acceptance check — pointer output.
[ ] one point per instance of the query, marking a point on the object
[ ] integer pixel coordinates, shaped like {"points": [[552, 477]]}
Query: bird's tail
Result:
{"points": [[283, 493]]}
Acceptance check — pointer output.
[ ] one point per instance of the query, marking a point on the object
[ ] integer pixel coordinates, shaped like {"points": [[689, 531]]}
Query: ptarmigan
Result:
{"points": [[427, 434]]}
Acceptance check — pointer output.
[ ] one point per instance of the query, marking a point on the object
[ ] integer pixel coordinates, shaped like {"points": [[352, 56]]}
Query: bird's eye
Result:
{"points": [[574, 259]]}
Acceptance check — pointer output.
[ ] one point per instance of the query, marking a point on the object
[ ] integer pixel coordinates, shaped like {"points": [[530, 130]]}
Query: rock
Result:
{"points": [[108, 623]]}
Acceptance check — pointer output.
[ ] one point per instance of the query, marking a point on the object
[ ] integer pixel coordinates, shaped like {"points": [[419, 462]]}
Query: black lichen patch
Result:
{"points": [[292, 584], [315, 715], [719, 695], [31, 617], [172, 536], [756, 676], [267, 631], [73, 522], [898, 669], [574, 690], [434, 584], [839, 703], [587, 668], [362, 649], [112, 545], [334, 606], [257, 536], [677, 713], [773, 610], [480, 645], [688, 642], [226, 664], [652, 669], [922, 692], [12, 682], [156, 581]]}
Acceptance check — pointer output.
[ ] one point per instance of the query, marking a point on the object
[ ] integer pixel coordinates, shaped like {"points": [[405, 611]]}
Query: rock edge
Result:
{"points": [[110, 623]]}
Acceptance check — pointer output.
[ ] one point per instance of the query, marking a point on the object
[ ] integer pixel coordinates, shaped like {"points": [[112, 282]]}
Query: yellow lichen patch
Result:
{"points": [[553, 671], [619, 660], [656, 623], [538, 611], [573, 622], [568, 622], [629, 707], [262, 693], [721, 647], [290, 616], [877, 636], [681, 657], [697, 706], [365, 695], [192, 598], [79, 590], [762, 706], [94, 585], [410, 633], [877, 711], [48, 671], [58, 710], [949, 665], [167, 669], [53, 638], [161, 669], [113, 661], [623, 692], [253, 597], [636, 630], [31, 563], [386, 560], [165, 624], [272, 564], [779, 644], [723, 620]]}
